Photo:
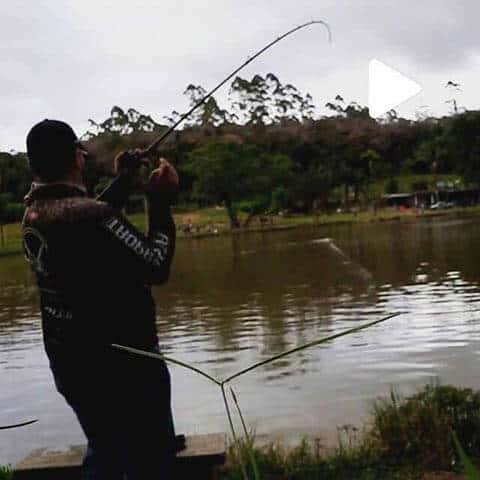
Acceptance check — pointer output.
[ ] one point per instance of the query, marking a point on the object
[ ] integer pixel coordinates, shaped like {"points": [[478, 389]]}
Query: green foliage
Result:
{"points": [[391, 186], [265, 100], [5, 199], [222, 170], [352, 110], [373, 168], [13, 212], [308, 461], [470, 470], [123, 122], [232, 173], [14, 175], [255, 206], [290, 159], [6, 473], [310, 185], [281, 198], [460, 143], [209, 113], [417, 430], [424, 158], [9, 210]]}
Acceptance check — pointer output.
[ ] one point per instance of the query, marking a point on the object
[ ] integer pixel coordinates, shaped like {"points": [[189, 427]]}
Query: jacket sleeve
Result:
{"points": [[117, 192], [146, 258]]}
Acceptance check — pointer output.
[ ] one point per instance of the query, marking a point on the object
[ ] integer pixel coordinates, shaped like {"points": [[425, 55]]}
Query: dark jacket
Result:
{"points": [[94, 270]]}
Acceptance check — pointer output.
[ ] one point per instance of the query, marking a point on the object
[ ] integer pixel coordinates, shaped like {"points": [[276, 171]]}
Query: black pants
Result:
{"points": [[126, 416]]}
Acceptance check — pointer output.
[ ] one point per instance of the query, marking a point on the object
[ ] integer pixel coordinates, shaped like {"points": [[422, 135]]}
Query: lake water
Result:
{"points": [[233, 301]]}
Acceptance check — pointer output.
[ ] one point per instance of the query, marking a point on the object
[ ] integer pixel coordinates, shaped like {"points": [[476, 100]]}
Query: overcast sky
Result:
{"points": [[74, 60]]}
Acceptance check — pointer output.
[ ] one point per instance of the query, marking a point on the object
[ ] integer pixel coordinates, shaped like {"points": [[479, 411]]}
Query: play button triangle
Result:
{"points": [[388, 88]]}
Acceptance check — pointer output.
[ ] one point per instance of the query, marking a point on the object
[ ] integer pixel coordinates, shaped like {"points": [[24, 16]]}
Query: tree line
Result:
{"points": [[267, 151]]}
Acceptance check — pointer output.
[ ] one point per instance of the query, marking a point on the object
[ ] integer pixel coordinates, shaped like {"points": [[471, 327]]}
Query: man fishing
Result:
{"points": [[94, 270]]}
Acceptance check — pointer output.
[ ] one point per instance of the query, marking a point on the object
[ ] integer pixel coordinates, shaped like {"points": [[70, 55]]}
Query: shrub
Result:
{"points": [[404, 438], [417, 430], [13, 212], [9, 210]]}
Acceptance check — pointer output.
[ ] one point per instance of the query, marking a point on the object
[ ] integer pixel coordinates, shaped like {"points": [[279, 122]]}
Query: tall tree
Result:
{"points": [[123, 122], [14, 175], [461, 142], [209, 113], [265, 100], [228, 173]]}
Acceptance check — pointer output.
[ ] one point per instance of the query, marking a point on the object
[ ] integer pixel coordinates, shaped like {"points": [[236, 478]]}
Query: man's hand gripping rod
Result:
{"points": [[141, 156]]}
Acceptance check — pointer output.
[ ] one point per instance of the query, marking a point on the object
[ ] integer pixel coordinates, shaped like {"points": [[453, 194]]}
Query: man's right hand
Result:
{"points": [[164, 179], [129, 162]]}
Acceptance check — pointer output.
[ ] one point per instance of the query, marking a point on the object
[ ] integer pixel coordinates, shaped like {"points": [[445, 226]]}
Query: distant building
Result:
{"points": [[397, 200], [425, 199]]}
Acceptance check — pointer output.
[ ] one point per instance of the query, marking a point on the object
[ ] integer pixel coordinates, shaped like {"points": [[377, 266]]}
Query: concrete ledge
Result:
{"points": [[198, 460]]}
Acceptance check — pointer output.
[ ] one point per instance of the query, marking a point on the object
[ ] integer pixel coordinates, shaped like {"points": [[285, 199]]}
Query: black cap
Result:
{"points": [[51, 146]]}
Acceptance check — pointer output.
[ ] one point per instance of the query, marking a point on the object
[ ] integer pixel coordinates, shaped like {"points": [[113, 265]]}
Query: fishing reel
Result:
{"points": [[129, 162], [157, 176]]}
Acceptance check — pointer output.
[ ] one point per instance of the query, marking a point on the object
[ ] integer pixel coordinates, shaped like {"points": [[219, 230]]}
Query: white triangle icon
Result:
{"points": [[388, 88]]}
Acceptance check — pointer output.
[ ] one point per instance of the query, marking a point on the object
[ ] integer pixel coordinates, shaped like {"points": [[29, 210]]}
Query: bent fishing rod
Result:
{"points": [[152, 148], [16, 425]]}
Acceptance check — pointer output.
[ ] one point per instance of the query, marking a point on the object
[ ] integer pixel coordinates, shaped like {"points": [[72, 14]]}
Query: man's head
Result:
{"points": [[55, 153]]}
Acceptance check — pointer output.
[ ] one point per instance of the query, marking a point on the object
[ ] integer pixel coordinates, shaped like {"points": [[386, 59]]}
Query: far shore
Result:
{"points": [[212, 222]]}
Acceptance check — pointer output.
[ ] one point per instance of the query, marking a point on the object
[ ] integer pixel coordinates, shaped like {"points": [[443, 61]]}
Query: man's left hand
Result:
{"points": [[164, 179]]}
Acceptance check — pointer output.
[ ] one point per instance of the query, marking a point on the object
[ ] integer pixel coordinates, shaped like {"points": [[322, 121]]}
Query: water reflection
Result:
{"points": [[234, 301]]}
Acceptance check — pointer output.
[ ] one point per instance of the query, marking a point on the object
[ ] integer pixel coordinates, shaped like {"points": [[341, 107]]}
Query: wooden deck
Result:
{"points": [[198, 461]]}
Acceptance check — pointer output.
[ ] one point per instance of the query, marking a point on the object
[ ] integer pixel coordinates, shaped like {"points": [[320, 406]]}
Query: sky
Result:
{"points": [[75, 59]]}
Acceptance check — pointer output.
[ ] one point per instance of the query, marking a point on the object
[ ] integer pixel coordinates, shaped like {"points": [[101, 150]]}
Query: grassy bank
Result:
{"points": [[214, 221], [406, 438]]}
